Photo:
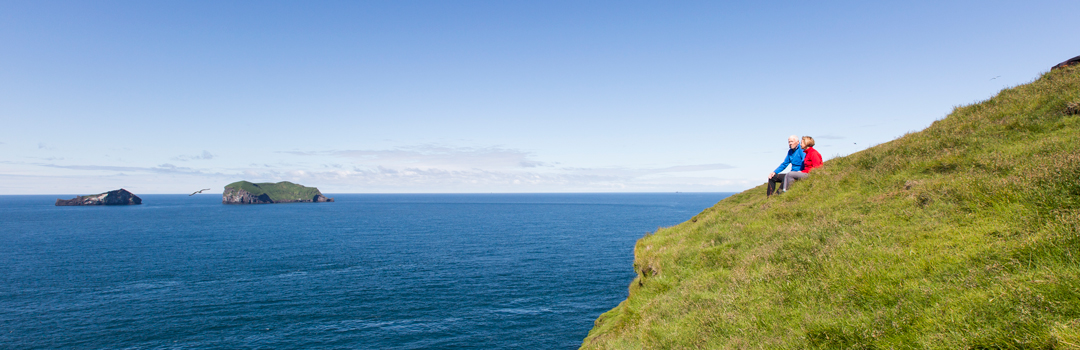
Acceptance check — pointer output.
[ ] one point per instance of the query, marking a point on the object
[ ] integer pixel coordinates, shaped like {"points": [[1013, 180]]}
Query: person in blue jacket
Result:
{"points": [[794, 158]]}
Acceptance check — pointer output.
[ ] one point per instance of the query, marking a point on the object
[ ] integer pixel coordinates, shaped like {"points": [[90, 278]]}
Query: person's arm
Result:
{"points": [[787, 160]]}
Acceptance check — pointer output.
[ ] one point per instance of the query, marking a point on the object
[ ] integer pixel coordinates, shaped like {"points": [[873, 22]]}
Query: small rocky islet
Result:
{"points": [[114, 197]]}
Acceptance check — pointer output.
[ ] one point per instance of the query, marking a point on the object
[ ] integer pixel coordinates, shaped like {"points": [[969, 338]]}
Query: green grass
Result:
{"points": [[281, 191], [965, 235]]}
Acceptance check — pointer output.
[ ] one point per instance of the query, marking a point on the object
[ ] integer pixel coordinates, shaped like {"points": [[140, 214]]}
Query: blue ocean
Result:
{"points": [[369, 271]]}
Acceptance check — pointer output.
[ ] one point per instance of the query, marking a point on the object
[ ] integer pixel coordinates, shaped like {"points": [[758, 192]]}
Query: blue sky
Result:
{"points": [[486, 96]]}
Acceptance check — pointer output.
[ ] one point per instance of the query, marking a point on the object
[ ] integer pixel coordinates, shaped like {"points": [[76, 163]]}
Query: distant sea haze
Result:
{"points": [[390, 271]]}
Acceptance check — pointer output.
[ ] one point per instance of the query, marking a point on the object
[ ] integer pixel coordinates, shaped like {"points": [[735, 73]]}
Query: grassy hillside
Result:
{"points": [[965, 235], [281, 191]]}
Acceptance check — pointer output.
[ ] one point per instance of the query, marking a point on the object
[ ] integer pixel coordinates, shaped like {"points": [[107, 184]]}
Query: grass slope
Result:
{"points": [[961, 236], [281, 191]]}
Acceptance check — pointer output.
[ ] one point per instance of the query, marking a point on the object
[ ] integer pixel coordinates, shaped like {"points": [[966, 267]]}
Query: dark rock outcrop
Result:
{"points": [[1071, 61], [116, 197], [1072, 108], [239, 196]]}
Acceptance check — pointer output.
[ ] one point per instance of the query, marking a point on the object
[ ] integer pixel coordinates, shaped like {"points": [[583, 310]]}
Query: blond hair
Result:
{"points": [[807, 142]]}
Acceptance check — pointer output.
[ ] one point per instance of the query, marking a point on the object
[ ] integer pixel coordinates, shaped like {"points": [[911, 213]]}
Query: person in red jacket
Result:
{"points": [[812, 160]]}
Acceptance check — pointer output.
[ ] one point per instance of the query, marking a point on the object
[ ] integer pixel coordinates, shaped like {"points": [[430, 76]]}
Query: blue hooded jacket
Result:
{"points": [[794, 157]]}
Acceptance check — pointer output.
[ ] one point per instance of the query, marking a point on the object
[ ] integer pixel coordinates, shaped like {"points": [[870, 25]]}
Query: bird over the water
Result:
{"points": [[199, 191]]}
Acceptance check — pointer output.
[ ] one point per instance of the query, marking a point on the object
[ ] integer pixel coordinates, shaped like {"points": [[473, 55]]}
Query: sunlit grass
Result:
{"points": [[961, 236]]}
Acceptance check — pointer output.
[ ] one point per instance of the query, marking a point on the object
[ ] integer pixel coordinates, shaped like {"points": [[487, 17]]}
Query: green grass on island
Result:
{"points": [[965, 235], [281, 191]]}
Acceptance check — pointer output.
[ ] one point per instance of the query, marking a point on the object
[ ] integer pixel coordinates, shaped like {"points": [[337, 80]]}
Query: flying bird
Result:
{"points": [[995, 77], [199, 191]]}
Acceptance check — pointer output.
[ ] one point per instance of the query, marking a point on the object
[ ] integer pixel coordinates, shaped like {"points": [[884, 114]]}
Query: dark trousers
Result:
{"points": [[774, 181]]}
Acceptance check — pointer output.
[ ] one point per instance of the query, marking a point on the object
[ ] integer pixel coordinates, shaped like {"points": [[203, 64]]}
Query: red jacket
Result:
{"points": [[813, 159]]}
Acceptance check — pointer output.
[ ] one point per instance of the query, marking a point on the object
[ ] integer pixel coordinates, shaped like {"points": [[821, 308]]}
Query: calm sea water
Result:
{"points": [[395, 271]]}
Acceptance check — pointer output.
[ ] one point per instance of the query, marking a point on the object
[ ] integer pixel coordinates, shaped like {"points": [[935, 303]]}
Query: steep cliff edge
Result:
{"points": [[965, 235], [115, 197], [244, 192]]}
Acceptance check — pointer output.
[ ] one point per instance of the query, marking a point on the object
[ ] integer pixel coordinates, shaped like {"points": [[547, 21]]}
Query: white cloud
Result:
{"points": [[435, 157], [688, 168], [427, 168], [414, 179], [204, 155], [441, 180], [163, 168]]}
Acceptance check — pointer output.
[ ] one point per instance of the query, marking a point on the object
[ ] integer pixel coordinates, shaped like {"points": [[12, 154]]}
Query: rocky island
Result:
{"points": [[244, 192], [116, 197]]}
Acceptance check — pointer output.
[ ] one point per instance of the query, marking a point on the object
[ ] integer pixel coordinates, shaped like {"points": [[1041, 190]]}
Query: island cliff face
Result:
{"points": [[244, 192], [116, 197], [239, 196]]}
